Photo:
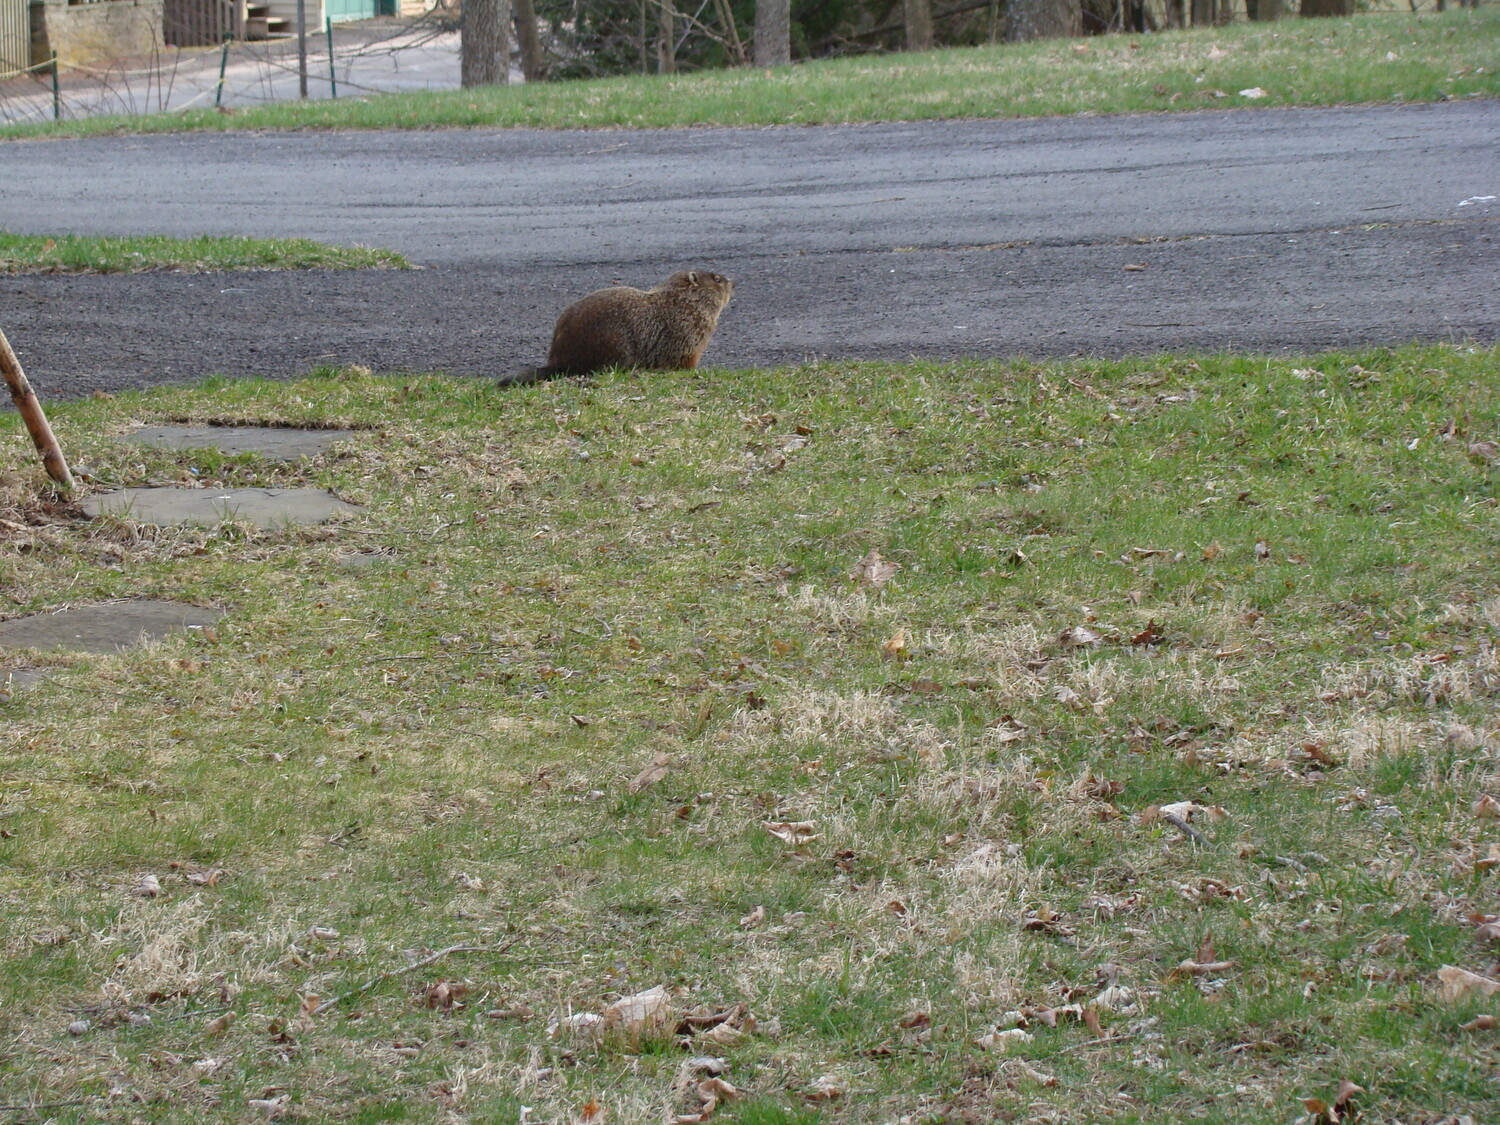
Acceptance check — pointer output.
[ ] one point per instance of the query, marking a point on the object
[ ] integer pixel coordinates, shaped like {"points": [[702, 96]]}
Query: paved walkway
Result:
{"points": [[371, 56]]}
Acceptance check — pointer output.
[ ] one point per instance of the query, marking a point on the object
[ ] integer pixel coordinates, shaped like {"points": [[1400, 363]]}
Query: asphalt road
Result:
{"points": [[1284, 230]]}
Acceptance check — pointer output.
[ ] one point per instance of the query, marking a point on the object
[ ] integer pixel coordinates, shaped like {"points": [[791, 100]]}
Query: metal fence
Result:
{"points": [[15, 37]]}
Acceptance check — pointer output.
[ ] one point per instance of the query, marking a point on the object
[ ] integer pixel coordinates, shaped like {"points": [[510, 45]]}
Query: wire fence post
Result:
{"points": [[56, 91], [223, 62], [333, 79], [302, 49]]}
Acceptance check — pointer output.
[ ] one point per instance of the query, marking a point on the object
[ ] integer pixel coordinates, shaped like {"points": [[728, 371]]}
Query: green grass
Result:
{"points": [[91, 254], [437, 749], [1316, 62]]}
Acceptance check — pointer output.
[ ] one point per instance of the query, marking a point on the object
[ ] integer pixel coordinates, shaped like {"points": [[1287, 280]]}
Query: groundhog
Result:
{"points": [[660, 329]]}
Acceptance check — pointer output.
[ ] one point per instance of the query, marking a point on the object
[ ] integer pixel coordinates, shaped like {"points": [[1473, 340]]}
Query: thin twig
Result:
{"points": [[413, 967], [1183, 826]]}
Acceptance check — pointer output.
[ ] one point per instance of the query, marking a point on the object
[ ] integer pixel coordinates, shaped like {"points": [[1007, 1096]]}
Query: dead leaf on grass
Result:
{"points": [[1487, 807], [824, 1089], [753, 919], [640, 1014], [1150, 635], [445, 995], [1456, 985], [655, 771], [793, 831], [1079, 636], [1481, 1023], [711, 1093], [1341, 1111], [896, 648], [872, 570], [147, 886], [1002, 1041]]}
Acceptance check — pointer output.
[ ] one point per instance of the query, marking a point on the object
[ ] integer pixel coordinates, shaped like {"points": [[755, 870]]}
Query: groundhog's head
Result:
{"points": [[701, 280]]}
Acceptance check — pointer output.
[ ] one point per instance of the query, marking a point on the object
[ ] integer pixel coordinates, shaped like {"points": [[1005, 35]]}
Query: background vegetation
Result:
{"points": [[1294, 62]]}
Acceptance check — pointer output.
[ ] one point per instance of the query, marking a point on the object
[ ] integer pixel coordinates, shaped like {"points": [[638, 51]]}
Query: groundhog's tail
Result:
{"points": [[530, 375]]}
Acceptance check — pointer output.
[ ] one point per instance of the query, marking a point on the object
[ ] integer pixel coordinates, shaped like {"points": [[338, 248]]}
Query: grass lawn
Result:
{"points": [[1368, 58], [992, 741], [89, 254]]}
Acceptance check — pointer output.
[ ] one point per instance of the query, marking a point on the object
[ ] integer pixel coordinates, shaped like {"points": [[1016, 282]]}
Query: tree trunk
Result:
{"points": [[1203, 12], [773, 32], [1327, 8], [528, 40], [1043, 19], [918, 24], [666, 37], [484, 49]]}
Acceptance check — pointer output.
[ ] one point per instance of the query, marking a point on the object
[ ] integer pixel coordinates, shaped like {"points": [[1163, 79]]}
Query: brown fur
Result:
{"points": [[661, 329]]}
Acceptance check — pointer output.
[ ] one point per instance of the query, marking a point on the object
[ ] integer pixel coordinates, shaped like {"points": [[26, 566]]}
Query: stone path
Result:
{"points": [[282, 443], [209, 507], [110, 627]]}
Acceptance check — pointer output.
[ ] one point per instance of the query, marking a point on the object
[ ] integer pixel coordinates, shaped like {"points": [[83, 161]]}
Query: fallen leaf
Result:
{"points": [[1211, 552], [824, 1089], [895, 648], [208, 878], [591, 1113], [656, 770], [1037, 1076], [723, 1035], [1135, 267], [1150, 635], [641, 1013], [1001, 1041], [147, 886], [1079, 636], [1457, 985], [793, 831], [1484, 450], [872, 570], [1487, 807], [219, 1025], [1481, 1023], [445, 995], [753, 919], [1253, 92]]}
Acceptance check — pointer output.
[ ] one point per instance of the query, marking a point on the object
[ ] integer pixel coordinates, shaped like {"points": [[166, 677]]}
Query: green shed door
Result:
{"points": [[351, 9]]}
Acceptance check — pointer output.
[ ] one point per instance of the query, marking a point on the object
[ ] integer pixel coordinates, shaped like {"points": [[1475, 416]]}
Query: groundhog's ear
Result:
{"points": [[692, 277]]}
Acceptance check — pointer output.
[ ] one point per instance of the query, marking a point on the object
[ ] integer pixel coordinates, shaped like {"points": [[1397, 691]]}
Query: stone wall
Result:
{"points": [[85, 34]]}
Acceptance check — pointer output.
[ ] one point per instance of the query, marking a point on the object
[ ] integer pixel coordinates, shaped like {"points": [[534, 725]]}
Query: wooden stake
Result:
{"points": [[31, 413]]}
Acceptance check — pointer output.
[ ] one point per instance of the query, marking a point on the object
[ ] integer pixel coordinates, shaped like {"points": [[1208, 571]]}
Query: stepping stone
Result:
{"points": [[281, 443], [108, 627], [209, 507], [13, 679]]}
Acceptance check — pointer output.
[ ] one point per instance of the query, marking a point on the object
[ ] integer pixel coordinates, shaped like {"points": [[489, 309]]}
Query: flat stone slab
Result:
{"points": [[281, 443], [12, 679], [209, 507], [108, 627]]}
